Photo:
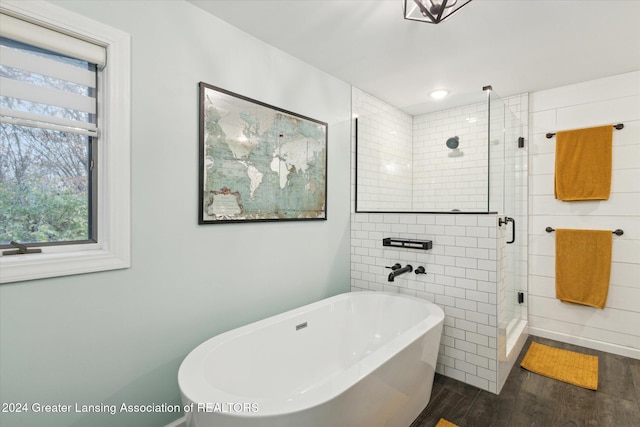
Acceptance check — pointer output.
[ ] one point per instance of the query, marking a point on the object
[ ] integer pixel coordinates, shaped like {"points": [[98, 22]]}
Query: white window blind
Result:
{"points": [[41, 36], [47, 78]]}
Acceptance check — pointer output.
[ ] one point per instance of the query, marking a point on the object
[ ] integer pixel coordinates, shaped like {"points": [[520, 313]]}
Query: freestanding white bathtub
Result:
{"points": [[355, 359]]}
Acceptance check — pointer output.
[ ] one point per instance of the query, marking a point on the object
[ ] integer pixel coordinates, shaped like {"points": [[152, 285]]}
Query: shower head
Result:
{"points": [[453, 142]]}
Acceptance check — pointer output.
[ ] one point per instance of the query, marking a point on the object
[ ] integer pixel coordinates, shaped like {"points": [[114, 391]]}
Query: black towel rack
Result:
{"points": [[617, 232], [617, 126]]}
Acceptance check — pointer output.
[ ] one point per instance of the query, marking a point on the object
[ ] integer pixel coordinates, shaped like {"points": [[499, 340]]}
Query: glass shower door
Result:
{"points": [[508, 197]]}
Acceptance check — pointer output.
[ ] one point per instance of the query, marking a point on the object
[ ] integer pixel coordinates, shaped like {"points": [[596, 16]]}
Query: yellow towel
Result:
{"points": [[583, 164], [444, 423], [583, 266]]}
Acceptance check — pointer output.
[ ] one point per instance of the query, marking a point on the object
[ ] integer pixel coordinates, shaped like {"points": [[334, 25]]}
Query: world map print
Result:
{"points": [[259, 162]]}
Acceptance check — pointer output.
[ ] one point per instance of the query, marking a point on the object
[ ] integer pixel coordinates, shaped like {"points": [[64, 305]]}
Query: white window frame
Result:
{"points": [[113, 247]]}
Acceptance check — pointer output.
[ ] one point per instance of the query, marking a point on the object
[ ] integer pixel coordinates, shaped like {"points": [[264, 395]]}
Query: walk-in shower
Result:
{"points": [[468, 161]]}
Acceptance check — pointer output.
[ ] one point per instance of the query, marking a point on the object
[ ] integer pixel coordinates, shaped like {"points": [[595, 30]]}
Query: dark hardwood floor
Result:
{"points": [[529, 399]]}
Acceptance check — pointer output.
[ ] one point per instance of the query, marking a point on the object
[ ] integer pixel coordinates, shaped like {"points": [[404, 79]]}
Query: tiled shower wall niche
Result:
{"points": [[462, 278]]}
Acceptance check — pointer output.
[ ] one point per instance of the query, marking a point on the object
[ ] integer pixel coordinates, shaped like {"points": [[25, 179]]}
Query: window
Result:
{"points": [[65, 140], [48, 128]]}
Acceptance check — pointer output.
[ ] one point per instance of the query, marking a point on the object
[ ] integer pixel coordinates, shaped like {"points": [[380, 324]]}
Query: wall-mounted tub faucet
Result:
{"points": [[406, 269]]}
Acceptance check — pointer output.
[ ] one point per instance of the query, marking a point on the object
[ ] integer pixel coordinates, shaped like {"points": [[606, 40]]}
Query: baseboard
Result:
{"points": [[180, 422], [633, 353]]}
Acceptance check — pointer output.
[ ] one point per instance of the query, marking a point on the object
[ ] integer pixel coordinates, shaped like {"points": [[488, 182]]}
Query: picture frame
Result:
{"points": [[258, 162]]}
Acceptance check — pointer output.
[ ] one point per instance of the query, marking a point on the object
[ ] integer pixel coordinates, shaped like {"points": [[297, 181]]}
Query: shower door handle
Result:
{"points": [[513, 227]]}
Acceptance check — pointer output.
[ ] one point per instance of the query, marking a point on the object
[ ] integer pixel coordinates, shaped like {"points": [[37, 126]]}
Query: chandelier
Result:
{"points": [[431, 11]]}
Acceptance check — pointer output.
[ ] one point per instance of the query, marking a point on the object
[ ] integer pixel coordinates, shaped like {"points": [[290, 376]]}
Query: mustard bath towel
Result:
{"points": [[583, 164], [583, 266]]}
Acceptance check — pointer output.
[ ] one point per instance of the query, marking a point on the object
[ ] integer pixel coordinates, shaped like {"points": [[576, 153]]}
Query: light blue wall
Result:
{"points": [[114, 337]]}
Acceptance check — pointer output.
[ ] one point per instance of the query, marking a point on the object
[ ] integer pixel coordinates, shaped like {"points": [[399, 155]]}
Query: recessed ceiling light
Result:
{"points": [[439, 94]]}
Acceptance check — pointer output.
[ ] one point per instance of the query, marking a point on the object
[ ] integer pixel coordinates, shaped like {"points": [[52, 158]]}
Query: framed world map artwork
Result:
{"points": [[259, 162]]}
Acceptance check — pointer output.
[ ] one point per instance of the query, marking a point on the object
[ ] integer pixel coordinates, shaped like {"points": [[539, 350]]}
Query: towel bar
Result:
{"points": [[617, 126], [617, 232]]}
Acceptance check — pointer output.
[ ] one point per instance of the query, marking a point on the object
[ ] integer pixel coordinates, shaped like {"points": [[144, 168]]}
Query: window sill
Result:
{"points": [[16, 268]]}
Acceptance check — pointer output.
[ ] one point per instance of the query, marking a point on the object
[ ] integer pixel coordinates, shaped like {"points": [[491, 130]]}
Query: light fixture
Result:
{"points": [[439, 93], [431, 11]]}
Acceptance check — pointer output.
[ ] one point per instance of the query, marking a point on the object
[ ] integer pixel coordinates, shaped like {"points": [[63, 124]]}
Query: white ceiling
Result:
{"points": [[516, 46]]}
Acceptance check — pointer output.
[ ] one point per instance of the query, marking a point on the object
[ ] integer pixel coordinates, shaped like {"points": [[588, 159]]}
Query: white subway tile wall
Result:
{"points": [[384, 153], [462, 278], [404, 164], [616, 328], [445, 179]]}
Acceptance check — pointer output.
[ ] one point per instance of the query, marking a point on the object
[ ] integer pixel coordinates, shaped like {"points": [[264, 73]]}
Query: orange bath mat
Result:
{"points": [[445, 423], [563, 365]]}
